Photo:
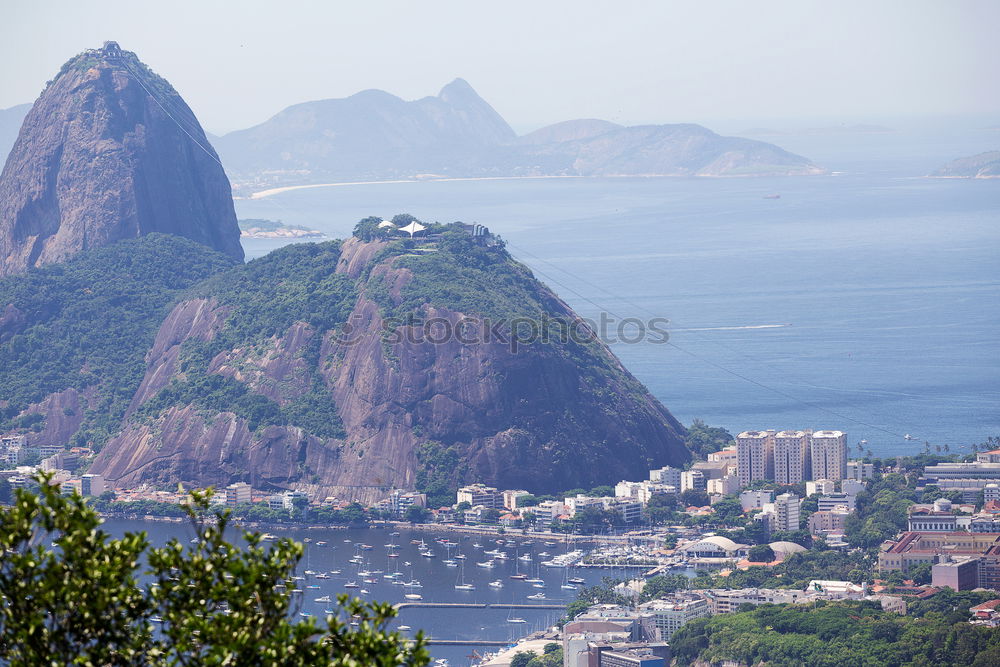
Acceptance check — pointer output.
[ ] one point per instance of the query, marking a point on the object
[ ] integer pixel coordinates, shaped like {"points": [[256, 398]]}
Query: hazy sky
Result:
{"points": [[236, 63]]}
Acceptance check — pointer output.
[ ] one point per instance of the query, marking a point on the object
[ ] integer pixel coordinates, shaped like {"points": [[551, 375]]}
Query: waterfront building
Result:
{"points": [[91, 485], [580, 501], [716, 548], [792, 457], [755, 456], [238, 493], [547, 512], [828, 450], [510, 497], [480, 494], [630, 510]]}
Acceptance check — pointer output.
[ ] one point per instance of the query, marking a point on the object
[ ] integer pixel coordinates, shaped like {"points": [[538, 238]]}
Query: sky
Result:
{"points": [[238, 63]]}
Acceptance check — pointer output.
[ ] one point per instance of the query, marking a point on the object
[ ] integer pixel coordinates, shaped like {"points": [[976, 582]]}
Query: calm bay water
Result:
{"points": [[866, 301], [437, 579]]}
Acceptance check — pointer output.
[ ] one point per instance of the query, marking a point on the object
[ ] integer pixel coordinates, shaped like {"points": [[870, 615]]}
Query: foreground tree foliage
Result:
{"points": [[73, 595]]}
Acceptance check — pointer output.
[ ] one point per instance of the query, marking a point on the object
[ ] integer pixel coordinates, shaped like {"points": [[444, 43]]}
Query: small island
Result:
{"points": [[983, 165], [259, 228]]}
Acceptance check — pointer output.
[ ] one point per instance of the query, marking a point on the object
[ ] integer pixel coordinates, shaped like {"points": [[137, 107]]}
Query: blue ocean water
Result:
{"points": [[867, 300]]}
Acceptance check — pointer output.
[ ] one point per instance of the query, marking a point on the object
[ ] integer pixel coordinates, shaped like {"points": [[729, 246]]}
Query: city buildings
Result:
{"points": [[829, 521], [792, 457], [823, 486], [860, 471], [510, 497], [723, 487], [832, 501], [751, 500], [693, 480], [786, 512], [755, 456], [828, 450], [913, 548], [238, 493], [666, 475], [91, 485], [670, 614], [480, 494]]}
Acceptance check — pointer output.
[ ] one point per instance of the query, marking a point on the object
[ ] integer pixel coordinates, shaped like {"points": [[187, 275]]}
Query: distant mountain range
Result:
{"points": [[374, 135], [983, 165]]}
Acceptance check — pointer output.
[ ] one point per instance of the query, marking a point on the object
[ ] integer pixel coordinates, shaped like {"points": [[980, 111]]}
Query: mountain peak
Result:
{"points": [[110, 151], [458, 89]]}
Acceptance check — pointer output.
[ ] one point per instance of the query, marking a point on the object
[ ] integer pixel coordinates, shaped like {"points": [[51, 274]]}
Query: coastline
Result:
{"points": [[288, 188]]}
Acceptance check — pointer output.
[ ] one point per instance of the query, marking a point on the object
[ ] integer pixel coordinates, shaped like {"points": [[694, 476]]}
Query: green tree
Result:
{"points": [[703, 439], [761, 553], [694, 497], [522, 658], [417, 514], [220, 603]]}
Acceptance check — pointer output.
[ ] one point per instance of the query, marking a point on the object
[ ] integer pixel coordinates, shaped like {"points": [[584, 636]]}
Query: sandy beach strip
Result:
{"points": [[288, 188]]}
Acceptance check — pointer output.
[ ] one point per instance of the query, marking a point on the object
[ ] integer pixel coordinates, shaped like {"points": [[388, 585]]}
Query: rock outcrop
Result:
{"points": [[110, 151], [410, 410]]}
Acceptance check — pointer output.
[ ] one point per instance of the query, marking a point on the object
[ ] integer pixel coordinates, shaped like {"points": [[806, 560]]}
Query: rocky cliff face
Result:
{"points": [[409, 412], [110, 151]]}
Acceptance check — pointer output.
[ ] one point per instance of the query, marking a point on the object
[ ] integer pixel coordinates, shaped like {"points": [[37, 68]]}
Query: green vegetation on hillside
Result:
{"points": [[833, 635], [297, 283], [91, 321], [703, 439]]}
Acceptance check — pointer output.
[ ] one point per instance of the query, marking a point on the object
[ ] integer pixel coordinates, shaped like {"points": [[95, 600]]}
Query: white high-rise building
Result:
{"points": [[666, 475], [860, 470], [829, 455], [693, 480], [755, 456], [91, 485], [786, 512], [791, 457]]}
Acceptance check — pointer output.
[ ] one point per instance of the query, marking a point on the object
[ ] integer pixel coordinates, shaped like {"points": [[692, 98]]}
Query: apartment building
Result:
{"points": [[828, 450], [755, 456], [792, 457]]}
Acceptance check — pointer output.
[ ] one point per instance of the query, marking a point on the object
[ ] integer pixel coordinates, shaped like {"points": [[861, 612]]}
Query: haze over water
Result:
{"points": [[884, 285]]}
